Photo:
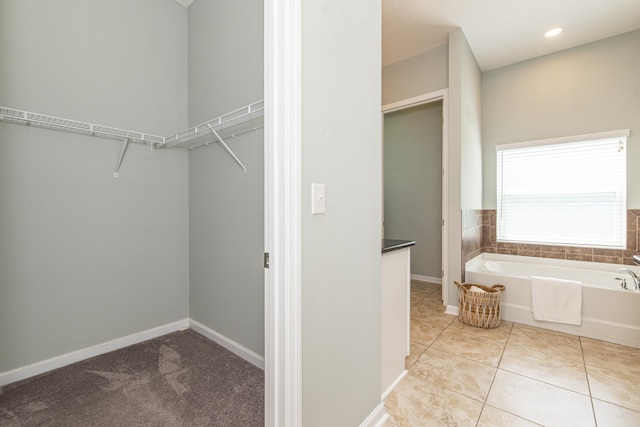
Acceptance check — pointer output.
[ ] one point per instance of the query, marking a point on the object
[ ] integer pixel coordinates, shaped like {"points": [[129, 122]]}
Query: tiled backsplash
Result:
{"points": [[479, 235]]}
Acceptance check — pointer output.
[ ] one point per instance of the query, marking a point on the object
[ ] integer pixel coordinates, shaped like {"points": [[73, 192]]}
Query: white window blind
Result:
{"points": [[565, 191]]}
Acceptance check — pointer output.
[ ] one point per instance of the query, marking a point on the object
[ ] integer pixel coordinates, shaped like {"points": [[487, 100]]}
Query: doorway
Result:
{"points": [[415, 182]]}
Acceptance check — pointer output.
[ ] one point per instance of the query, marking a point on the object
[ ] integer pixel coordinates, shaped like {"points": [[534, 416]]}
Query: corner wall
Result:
{"points": [[226, 207]]}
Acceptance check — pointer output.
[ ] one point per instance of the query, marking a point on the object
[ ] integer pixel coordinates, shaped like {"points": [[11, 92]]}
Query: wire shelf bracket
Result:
{"points": [[125, 144], [227, 149]]}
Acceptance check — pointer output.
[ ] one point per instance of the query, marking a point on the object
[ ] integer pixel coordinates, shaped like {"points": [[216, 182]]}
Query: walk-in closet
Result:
{"points": [[131, 191]]}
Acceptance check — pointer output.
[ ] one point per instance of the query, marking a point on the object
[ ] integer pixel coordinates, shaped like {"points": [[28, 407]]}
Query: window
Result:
{"points": [[564, 191]]}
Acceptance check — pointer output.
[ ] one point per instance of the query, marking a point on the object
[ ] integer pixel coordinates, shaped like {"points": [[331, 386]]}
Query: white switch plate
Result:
{"points": [[317, 199]]}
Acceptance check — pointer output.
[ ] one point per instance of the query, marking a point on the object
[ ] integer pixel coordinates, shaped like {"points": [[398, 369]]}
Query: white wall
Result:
{"points": [[341, 147], [85, 257], [226, 212], [464, 163], [587, 89], [471, 138]]}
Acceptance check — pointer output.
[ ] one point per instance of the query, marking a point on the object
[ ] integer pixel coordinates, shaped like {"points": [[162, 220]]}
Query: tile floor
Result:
{"points": [[514, 375]]}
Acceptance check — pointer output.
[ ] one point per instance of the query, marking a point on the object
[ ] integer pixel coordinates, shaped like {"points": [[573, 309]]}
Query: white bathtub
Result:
{"points": [[609, 312]]}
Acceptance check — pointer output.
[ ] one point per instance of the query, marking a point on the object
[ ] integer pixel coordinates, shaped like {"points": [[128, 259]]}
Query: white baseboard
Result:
{"points": [[429, 279], [452, 309], [377, 417], [118, 343], [238, 349], [393, 385], [86, 353]]}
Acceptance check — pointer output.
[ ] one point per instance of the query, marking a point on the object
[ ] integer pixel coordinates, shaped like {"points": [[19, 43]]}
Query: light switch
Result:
{"points": [[317, 199]]}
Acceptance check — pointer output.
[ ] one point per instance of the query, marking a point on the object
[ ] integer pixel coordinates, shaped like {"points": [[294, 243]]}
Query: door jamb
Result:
{"points": [[283, 229]]}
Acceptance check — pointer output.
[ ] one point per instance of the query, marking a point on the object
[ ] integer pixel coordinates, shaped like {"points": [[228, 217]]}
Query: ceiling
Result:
{"points": [[501, 32]]}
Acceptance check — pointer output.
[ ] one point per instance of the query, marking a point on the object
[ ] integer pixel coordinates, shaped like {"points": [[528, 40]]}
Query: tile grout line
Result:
{"points": [[484, 403], [586, 374]]}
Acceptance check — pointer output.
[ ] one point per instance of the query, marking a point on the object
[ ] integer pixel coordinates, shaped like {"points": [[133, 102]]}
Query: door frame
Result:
{"points": [[427, 98], [282, 209]]}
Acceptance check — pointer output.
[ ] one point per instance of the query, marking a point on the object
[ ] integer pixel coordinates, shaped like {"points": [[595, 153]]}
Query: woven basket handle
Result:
{"points": [[458, 284], [498, 287]]}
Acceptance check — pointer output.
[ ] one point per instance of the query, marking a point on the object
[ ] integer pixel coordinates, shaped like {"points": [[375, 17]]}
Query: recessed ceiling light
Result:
{"points": [[552, 33]]}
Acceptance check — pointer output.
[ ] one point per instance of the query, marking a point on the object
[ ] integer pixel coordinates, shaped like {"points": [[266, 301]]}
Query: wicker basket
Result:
{"points": [[479, 309]]}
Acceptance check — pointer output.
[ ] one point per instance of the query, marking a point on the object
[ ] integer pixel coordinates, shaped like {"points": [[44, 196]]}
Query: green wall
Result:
{"points": [[413, 183], [85, 257]]}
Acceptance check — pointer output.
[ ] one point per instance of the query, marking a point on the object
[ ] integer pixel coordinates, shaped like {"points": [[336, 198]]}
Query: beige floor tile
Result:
{"points": [[464, 376], [608, 415], [415, 352], [529, 362], [389, 423], [614, 387], [418, 296], [417, 402], [547, 343], [470, 345], [434, 299], [419, 284], [427, 313], [423, 333], [539, 402], [613, 357], [494, 417], [501, 332]]}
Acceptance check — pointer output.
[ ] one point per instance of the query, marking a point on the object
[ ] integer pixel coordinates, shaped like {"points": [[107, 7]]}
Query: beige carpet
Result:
{"points": [[180, 379]]}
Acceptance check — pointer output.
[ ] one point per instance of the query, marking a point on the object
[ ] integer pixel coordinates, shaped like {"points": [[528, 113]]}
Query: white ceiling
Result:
{"points": [[501, 32]]}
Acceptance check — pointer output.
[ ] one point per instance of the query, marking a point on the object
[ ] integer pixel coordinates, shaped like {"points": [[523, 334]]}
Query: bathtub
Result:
{"points": [[609, 312]]}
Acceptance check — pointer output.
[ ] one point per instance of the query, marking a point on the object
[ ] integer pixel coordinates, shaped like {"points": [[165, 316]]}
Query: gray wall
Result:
{"points": [[226, 212], [418, 75], [85, 257], [341, 147], [587, 89], [413, 183]]}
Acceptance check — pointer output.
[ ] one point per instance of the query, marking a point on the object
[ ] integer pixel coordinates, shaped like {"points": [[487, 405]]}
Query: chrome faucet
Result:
{"points": [[634, 276]]}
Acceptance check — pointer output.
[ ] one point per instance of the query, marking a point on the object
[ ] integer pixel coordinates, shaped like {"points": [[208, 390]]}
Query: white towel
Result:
{"points": [[556, 300]]}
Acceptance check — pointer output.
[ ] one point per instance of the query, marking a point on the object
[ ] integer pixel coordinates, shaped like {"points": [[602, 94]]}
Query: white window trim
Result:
{"points": [[622, 133]]}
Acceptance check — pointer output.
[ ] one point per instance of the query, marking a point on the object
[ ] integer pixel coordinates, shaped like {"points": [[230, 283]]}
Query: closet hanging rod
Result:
{"points": [[75, 126], [246, 113]]}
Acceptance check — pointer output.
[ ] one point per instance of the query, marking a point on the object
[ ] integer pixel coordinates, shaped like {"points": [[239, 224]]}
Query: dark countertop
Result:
{"points": [[389, 245]]}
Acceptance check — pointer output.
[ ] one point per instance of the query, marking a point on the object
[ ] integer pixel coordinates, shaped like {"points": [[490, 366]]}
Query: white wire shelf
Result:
{"points": [[237, 122], [246, 119], [74, 126]]}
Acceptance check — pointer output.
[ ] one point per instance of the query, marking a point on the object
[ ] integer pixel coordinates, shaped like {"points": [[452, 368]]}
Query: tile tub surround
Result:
{"points": [[614, 256], [523, 376]]}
